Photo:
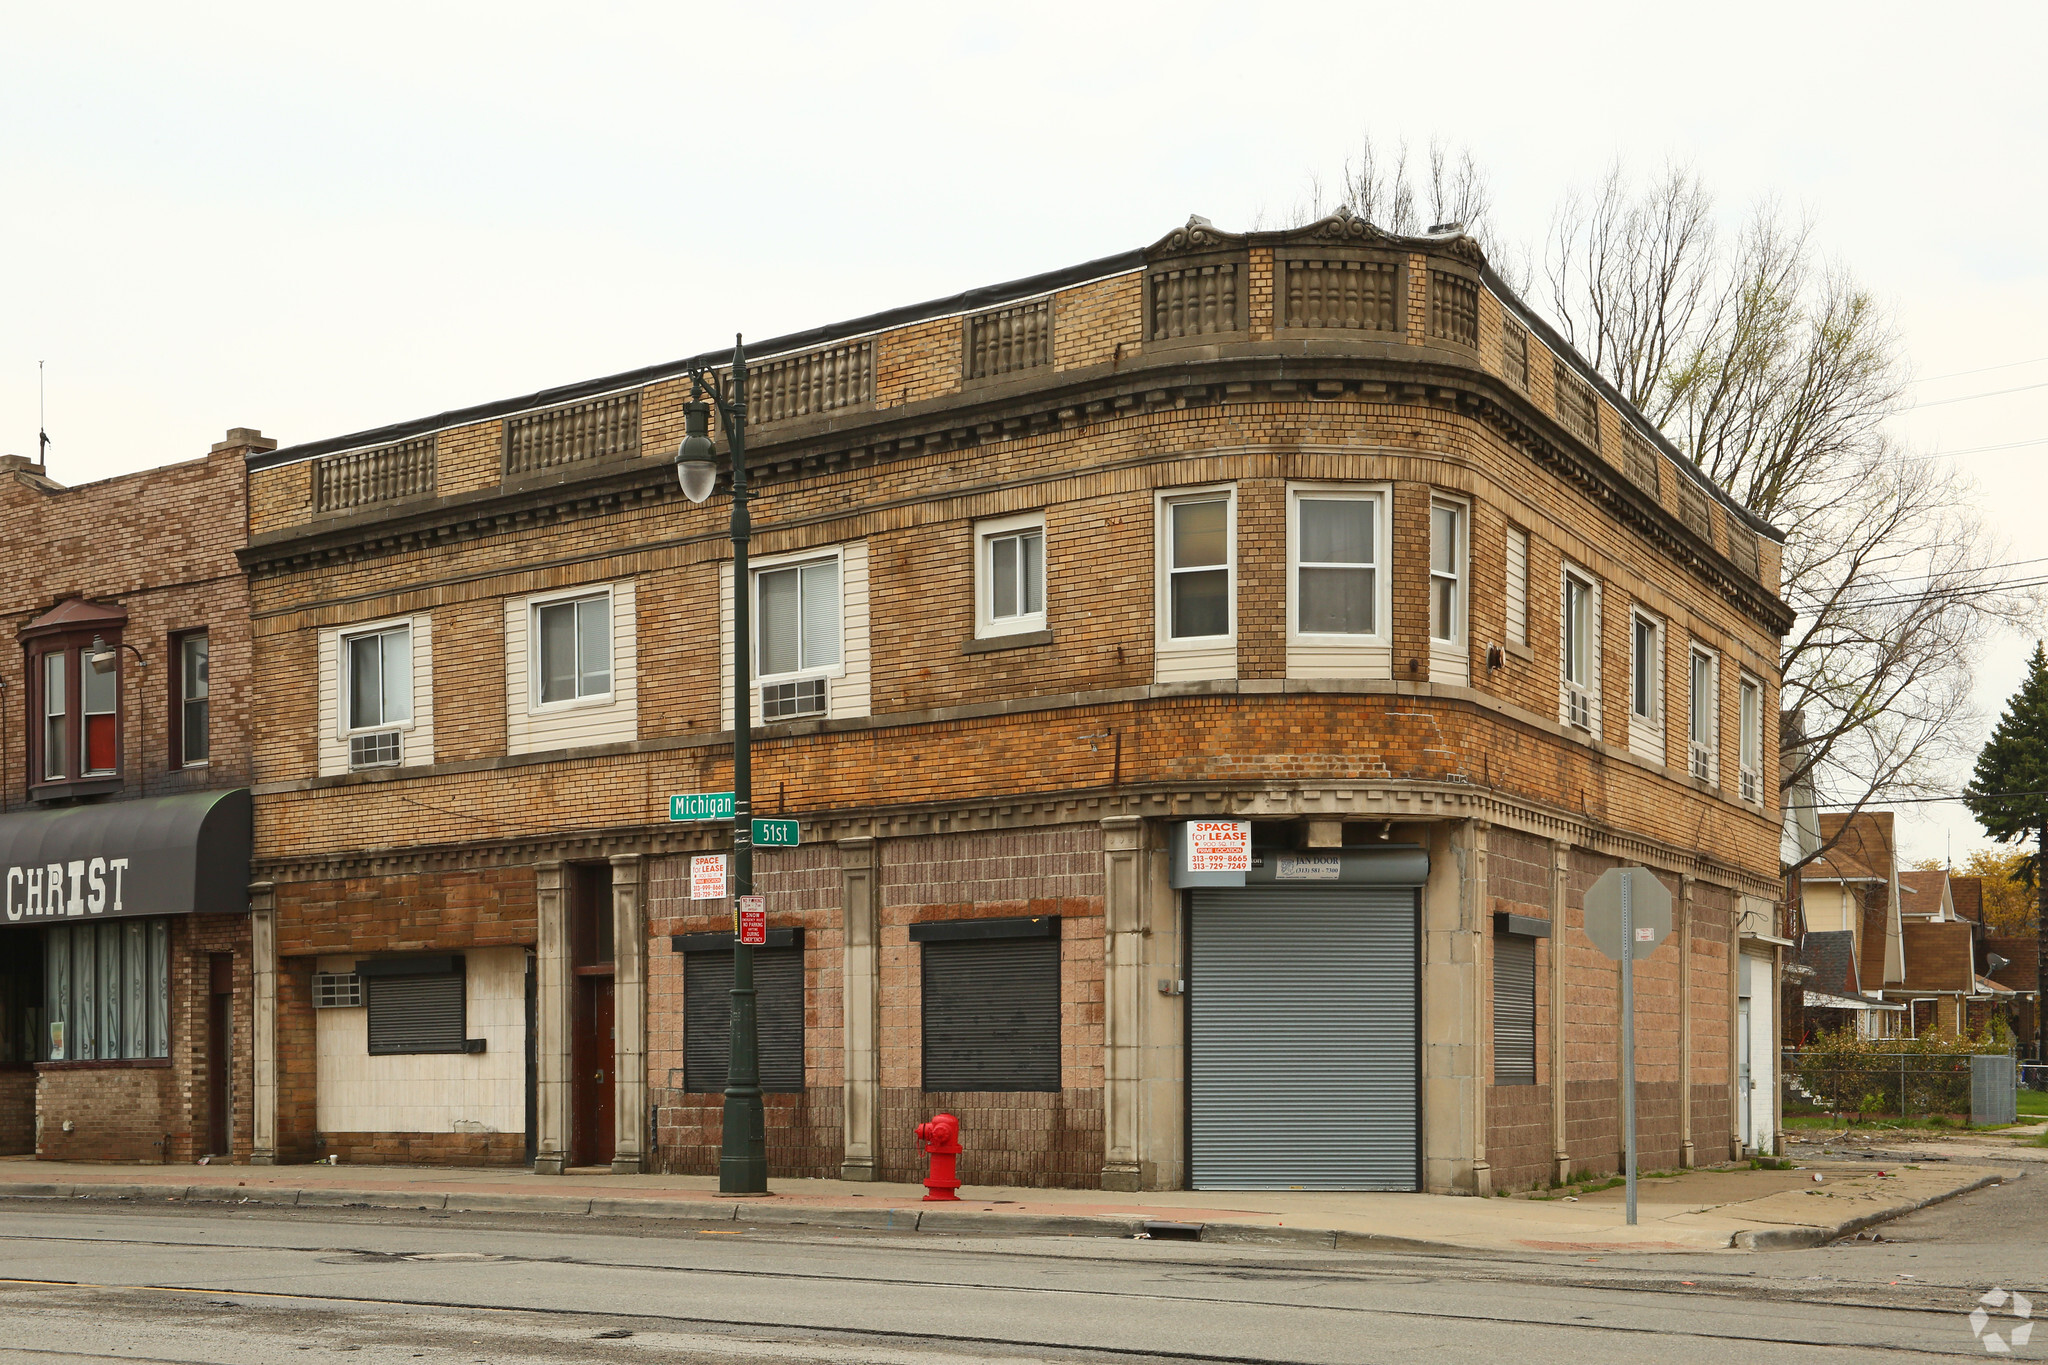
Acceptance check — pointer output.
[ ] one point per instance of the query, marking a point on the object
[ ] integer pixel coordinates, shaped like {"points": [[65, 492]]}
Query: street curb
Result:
{"points": [[1795, 1239]]}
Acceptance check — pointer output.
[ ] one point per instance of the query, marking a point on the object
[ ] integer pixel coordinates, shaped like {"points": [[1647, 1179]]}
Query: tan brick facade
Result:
{"points": [[984, 768]]}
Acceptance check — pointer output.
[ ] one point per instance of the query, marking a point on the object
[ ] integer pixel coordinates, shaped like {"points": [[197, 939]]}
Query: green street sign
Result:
{"points": [[701, 806], [775, 834]]}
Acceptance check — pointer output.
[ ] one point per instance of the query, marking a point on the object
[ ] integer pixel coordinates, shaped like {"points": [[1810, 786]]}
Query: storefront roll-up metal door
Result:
{"points": [[992, 1014], [1514, 1009], [416, 1013], [778, 1016], [1302, 1038]]}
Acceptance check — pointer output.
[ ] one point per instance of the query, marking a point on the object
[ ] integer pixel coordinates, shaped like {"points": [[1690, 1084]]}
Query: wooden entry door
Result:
{"points": [[595, 1139], [220, 1035]]}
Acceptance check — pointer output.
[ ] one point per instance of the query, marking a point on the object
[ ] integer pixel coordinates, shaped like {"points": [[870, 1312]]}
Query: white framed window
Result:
{"points": [[796, 619], [1198, 544], [1446, 571], [1646, 685], [1646, 666], [1518, 586], [1337, 582], [1703, 719], [1752, 739], [376, 687], [571, 658], [1009, 576], [1579, 624]]}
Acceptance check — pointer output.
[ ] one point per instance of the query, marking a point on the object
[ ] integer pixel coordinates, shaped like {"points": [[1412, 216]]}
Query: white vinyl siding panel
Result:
{"points": [[531, 727], [1518, 586], [848, 689], [418, 732]]}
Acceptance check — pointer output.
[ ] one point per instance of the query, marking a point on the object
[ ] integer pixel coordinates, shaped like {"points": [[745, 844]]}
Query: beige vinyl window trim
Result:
{"points": [[1458, 576], [1650, 689], [1164, 501], [1703, 715], [1750, 736], [534, 705], [343, 665], [796, 559], [1381, 496], [987, 624]]}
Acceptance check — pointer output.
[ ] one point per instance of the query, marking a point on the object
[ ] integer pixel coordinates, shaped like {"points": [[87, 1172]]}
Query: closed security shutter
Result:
{"points": [[1514, 1009], [778, 1019], [416, 1013], [1303, 1038], [992, 1014]]}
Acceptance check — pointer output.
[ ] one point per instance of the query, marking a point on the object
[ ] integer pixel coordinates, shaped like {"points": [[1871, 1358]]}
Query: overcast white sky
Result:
{"points": [[317, 220]]}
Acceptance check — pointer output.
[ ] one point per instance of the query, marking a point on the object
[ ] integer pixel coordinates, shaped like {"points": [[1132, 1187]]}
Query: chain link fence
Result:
{"points": [[1901, 1086]]}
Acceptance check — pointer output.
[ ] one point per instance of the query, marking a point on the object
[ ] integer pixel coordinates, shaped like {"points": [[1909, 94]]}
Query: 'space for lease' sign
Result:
{"points": [[1219, 845]]}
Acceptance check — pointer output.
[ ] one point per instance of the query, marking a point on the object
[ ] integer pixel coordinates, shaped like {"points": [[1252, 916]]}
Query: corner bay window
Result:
{"points": [[1336, 565], [106, 991], [1198, 568], [1446, 561], [75, 708], [575, 649]]}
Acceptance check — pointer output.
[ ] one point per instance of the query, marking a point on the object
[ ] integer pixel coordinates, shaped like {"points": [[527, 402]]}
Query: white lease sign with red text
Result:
{"points": [[707, 877], [1219, 845]]}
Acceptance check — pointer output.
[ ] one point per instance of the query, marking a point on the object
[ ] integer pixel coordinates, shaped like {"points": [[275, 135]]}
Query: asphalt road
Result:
{"points": [[89, 1280]]}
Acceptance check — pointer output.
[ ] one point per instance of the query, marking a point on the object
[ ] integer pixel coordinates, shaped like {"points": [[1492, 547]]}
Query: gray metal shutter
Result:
{"points": [[1303, 1038], [992, 1014], [416, 1013], [778, 1018], [1514, 1009]]}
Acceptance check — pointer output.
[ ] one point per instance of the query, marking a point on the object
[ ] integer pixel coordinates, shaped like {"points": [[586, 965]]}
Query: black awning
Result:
{"points": [[168, 855]]}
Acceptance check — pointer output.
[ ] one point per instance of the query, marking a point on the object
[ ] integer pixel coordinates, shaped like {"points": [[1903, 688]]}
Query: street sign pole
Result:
{"points": [[1628, 1038]]}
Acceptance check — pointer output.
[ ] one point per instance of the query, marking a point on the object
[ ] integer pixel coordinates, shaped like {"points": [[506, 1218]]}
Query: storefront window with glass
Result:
{"points": [[106, 992]]}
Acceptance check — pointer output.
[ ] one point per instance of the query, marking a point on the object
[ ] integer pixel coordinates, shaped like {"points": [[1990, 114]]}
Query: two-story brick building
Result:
{"points": [[1321, 530], [126, 988]]}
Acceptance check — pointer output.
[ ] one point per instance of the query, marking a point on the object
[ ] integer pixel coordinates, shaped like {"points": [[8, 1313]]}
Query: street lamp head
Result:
{"points": [[694, 462]]}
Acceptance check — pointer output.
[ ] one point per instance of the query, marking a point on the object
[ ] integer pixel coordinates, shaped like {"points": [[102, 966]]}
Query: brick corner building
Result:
{"points": [[1320, 532], [128, 1015]]}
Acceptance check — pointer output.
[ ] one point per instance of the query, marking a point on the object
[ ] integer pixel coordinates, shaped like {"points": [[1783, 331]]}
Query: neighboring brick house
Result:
{"points": [[1320, 530], [126, 986]]}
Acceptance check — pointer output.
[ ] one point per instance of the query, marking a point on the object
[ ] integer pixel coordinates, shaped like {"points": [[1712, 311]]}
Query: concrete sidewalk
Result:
{"points": [[1697, 1210]]}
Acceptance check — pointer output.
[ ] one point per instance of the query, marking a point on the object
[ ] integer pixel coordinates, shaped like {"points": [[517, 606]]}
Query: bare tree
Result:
{"points": [[1776, 375]]}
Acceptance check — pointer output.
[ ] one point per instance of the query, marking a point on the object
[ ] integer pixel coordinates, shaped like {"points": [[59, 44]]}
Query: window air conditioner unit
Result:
{"points": [[382, 749], [791, 700], [1749, 787], [337, 990], [1699, 764], [1580, 709]]}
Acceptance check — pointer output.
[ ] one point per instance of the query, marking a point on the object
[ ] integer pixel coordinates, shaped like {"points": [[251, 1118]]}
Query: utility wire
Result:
{"points": [[1968, 397], [1958, 374], [1919, 800]]}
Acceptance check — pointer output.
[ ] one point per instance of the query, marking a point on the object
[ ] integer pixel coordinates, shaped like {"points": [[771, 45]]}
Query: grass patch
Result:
{"points": [[2034, 1104]]}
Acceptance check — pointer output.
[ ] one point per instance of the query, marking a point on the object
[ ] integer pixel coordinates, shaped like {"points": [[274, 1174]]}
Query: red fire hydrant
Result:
{"points": [[941, 1141]]}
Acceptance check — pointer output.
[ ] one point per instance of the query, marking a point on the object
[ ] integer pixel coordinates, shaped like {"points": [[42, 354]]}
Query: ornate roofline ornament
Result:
{"points": [[1199, 234]]}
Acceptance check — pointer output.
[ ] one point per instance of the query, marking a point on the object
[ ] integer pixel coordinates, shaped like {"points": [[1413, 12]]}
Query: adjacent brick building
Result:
{"points": [[1320, 530], [127, 1029]]}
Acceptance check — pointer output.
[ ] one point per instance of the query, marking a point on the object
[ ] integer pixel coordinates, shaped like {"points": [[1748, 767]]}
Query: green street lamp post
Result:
{"points": [[743, 1152]]}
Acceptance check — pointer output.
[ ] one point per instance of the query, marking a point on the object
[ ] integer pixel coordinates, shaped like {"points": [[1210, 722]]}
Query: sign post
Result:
{"points": [[1628, 913]]}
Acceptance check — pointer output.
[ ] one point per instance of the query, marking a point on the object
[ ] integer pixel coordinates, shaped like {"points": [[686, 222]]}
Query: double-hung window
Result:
{"points": [[1752, 755], [1580, 629], [99, 712], [1703, 718], [796, 637], [56, 729], [1446, 572], [1337, 564], [1009, 575], [1198, 568], [192, 705], [377, 694], [1646, 686], [573, 661]]}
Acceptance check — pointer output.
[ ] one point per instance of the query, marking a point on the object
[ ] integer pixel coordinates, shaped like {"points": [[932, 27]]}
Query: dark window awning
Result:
{"points": [[168, 855]]}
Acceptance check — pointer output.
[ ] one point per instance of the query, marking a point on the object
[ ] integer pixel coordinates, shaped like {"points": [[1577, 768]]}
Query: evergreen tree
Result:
{"points": [[2009, 796]]}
